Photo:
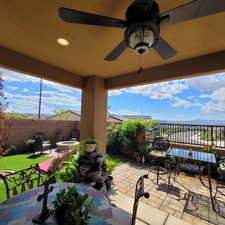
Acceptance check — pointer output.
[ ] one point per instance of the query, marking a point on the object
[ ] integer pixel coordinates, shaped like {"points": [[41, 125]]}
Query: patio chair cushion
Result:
{"points": [[45, 166]]}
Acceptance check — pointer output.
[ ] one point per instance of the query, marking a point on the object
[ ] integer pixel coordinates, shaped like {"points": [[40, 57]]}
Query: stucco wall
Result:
{"points": [[24, 129]]}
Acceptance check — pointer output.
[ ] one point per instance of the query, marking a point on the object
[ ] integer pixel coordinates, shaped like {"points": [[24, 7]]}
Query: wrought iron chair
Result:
{"points": [[221, 177], [22, 180], [40, 145], [122, 217], [139, 192], [157, 155]]}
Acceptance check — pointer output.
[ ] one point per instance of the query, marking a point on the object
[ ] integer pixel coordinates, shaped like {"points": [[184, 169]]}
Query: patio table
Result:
{"points": [[21, 208], [208, 158]]}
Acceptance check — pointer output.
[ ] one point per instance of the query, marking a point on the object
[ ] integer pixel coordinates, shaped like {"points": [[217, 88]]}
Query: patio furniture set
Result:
{"points": [[40, 143], [29, 208], [161, 153]]}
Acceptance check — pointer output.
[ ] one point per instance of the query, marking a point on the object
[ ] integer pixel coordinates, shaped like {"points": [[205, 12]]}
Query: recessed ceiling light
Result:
{"points": [[63, 41]]}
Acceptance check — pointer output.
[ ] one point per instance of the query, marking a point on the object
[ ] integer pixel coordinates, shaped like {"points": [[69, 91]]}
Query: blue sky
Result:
{"points": [[195, 98]]}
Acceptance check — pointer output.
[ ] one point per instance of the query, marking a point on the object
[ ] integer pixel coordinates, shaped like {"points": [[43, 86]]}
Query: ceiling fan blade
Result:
{"points": [[192, 10], [75, 16], [116, 52], [164, 49]]}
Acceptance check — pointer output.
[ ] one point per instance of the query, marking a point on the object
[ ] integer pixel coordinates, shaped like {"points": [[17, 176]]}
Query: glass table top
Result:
{"points": [[196, 155]]}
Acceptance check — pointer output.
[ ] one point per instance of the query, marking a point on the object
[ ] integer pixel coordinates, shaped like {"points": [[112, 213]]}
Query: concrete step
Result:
{"points": [[146, 214]]}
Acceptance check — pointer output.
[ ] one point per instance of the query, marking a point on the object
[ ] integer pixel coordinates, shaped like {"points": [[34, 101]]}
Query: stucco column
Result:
{"points": [[94, 111]]}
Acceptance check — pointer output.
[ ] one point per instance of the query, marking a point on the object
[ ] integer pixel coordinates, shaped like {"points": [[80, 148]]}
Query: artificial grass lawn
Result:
{"points": [[18, 162]]}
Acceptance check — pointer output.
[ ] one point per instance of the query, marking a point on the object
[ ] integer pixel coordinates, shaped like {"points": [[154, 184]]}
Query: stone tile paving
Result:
{"points": [[126, 176]]}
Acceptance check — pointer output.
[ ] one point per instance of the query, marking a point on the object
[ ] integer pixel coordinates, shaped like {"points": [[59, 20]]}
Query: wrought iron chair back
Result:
{"points": [[139, 192], [57, 163], [22, 180], [160, 143]]}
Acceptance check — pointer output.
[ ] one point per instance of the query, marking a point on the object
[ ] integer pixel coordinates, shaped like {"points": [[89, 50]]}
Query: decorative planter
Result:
{"points": [[90, 147]]}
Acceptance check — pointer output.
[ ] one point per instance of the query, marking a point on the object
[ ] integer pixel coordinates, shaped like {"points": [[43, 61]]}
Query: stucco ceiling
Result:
{"points": [[32, 27]]}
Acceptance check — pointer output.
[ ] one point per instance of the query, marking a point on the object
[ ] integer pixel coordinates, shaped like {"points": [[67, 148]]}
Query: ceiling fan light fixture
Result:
{"points": [[141, 49], [139, 35]]}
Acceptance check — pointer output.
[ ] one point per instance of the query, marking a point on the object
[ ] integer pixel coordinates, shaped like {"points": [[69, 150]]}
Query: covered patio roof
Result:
{"points": [[29, 30], [28, 44]]}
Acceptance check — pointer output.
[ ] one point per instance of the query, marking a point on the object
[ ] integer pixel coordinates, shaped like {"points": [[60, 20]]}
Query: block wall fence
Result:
{"points": [[20, 130]]}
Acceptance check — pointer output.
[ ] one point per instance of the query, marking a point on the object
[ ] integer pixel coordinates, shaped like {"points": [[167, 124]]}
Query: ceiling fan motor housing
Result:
{"points": [[143, 26]]}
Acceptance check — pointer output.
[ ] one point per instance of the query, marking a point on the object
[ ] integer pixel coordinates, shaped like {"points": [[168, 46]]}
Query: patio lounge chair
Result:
{"points": [[75, 135], [120, 216], [53, 164], [22, 180], [40, 144]]}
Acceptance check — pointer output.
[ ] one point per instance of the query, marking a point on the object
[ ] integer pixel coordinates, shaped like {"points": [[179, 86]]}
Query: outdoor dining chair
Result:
{"points": [[221, 178], [158, 156], [22, 180], [122, 217]]}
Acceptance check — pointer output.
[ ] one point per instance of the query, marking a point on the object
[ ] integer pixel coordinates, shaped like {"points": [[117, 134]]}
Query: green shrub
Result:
{"points": [[111, 163], [69, 172], [115, 139], [125, 135]]}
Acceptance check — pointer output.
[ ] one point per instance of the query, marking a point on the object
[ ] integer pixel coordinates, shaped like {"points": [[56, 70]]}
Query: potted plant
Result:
{"points": [[209, 148], [71, 207], [89, 144], [137, 156]]}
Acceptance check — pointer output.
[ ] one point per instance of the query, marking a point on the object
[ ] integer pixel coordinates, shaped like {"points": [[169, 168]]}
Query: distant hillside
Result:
{"points": [[195, 122], [23, 116]]}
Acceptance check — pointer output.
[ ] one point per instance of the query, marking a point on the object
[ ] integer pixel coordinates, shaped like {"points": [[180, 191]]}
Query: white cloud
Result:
{"points": [[29, 103], [126, 112], [60, 87], [217, 101], [12, 76], [204, 96], [25, 90], [115, 92], [165, 90], [209, 82], [12, 88], [184, 103]]}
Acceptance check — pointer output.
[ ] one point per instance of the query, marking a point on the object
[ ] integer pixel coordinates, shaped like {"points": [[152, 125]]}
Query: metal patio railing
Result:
{"points": [[189, 133]]}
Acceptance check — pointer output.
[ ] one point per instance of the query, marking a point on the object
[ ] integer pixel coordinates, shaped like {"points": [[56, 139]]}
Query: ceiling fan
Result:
{"points": [[143, 22]]}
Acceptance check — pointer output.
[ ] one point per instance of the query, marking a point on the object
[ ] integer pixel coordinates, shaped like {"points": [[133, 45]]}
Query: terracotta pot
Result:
{"points": [[90, 147]]}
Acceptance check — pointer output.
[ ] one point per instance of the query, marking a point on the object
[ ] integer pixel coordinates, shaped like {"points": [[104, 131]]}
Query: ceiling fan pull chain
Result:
{"points": [[140, 68]]}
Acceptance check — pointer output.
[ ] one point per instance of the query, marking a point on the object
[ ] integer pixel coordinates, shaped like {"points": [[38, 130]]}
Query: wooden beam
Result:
{"points": [[25, 64], [197, 66]]}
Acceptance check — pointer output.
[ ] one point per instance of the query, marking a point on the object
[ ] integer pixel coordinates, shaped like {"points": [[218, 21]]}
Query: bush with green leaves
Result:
{"points": [[69, 172], [125, 135], [72, 207], [111, 163], [115, 138]]}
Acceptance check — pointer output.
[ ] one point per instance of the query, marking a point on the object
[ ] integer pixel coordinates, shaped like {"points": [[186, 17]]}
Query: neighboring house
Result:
{"points": [[133, 117], [66, 115], [75, 116], [113, 118]]}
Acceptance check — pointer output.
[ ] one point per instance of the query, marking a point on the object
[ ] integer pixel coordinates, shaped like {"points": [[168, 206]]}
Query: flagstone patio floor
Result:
{"points": [[174, 202]]}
